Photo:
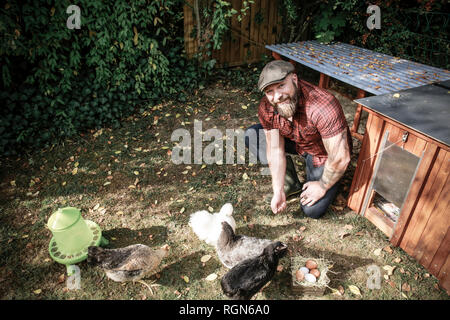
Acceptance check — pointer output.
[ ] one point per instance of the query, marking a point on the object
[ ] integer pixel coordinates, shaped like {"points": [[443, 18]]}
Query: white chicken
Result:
{"points": [[208, 226]]}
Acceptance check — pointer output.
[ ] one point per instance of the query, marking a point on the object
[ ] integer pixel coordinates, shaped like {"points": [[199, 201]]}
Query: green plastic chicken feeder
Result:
{"points": [[72, 235]]}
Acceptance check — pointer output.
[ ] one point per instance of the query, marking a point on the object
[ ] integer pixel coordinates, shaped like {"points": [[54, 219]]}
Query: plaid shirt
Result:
{"points": [[319, 116]]}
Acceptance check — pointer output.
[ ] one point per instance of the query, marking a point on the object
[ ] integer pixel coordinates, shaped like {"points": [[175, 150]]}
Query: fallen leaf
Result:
{"points": [[335, 292], [75, 171], [186, 279], [280, 268], [96, 206], [119, 212], [341, 289], [38, 291], [342, 235], [182, 210], [244, 107], [388, 249], [210, 209], [61, 278], [406, 287], [245, 176], [205, 258], [13, 183], [211, 277], [354, 290], [389, 269], [107, 183], [397, 260], [377, 252]]}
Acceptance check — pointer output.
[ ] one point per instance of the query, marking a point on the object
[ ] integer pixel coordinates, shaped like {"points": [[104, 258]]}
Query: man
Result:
{"points": [[300, 118]]}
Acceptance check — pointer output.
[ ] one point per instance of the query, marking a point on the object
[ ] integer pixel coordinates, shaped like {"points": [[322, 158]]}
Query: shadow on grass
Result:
{"points": [[190, 266], [122, 237]]}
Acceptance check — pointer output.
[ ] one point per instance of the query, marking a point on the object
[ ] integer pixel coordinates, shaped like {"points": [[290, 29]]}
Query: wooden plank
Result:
{"points": [[263, 27], [416, 191], [254, 29], [426, 203], [441, 254], [366, 160], [444, 275], [355, 126], [235, 38], [403, 127], [273, 17], [436, 227], [245, 32], [190, 45], [380, 221], [353, 201]]}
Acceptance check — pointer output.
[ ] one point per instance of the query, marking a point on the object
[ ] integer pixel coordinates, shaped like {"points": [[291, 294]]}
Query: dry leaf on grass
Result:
{"points": [[377, 252], [205, 258], [211, 277], [354, 290]]}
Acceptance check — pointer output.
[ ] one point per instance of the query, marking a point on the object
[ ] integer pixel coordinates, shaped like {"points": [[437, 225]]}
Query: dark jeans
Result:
{"points": [[258, 147]]}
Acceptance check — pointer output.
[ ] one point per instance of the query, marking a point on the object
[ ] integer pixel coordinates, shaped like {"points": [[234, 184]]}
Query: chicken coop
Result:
{"points": [[401, 181]]}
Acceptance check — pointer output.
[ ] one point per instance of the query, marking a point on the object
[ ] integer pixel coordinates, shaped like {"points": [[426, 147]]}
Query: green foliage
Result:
{"points": [[57, 81], [414, 30]]}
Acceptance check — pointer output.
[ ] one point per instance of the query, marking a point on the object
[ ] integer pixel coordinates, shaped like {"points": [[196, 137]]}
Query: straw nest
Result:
{"points": [[304, 286]]}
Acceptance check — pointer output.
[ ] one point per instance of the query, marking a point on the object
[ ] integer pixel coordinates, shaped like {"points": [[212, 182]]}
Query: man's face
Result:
{"points": [[283, 96]]}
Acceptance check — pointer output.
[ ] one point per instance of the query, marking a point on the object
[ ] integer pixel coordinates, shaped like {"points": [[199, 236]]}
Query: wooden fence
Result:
{"points": [[246, 39]]}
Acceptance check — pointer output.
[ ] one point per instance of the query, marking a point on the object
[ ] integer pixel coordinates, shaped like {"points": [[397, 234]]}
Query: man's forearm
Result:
{"points": [[277, 165], [338, 160], [331, 174]]}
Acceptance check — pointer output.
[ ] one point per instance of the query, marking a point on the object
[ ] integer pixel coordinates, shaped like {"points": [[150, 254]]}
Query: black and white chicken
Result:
{"points": [[232, 248], [247, 277]]}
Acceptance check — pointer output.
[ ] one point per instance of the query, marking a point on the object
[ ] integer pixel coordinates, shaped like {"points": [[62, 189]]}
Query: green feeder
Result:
{"points": [[72, 235]]}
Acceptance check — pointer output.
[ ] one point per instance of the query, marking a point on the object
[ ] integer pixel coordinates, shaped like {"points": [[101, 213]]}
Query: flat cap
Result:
{"points": [[275, 71]]}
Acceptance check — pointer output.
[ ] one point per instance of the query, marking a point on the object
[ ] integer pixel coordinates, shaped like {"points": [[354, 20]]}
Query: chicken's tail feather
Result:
{"points": [[227, 209]]}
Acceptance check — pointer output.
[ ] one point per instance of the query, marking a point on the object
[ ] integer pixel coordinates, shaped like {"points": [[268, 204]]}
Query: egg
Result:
{"points": [[300, 275], [315, 272], [310, 278], [304, 270], [311, 264]]}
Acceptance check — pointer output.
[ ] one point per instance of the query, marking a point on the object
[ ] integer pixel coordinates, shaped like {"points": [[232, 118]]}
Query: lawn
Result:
{"points": [[125, 181]]}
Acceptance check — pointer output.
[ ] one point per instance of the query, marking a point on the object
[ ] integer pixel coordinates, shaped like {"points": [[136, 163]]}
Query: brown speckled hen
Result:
{"points": [[130, 263]]}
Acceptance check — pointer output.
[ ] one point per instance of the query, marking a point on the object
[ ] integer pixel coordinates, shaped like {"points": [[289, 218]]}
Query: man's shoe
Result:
{"points": [[292, 185]]}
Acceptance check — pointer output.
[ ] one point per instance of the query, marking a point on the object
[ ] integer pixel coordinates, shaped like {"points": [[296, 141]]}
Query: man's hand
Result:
{"points": [[312, 192], [278, 203]]}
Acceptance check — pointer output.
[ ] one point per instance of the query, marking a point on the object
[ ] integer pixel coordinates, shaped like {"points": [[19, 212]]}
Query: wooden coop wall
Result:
{"points": [[422, 229], [247, 38]]}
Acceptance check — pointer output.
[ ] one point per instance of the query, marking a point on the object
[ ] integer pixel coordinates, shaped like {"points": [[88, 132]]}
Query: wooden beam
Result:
{"points": [[354, 130]]}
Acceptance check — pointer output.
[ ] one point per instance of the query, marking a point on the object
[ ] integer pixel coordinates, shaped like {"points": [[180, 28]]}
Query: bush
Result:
{"points": [[58, 81]]}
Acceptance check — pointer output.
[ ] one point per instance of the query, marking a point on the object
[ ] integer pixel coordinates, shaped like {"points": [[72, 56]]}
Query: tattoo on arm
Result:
{"points": [[338, 156]]}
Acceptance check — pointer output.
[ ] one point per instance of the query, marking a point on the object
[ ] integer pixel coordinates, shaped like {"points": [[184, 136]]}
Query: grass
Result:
{"points": [[148, 200]]}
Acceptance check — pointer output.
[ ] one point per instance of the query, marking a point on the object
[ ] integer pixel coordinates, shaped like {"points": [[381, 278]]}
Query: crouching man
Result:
{"points": [[300, 118]]}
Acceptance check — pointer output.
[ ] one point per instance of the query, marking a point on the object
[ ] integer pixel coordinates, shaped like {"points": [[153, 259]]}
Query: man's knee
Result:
{"points": [[314, 212]]}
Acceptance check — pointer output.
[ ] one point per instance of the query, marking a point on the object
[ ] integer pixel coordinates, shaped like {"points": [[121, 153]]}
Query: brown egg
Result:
{"points": [[315, 272], [311, 264], [299, 275]]}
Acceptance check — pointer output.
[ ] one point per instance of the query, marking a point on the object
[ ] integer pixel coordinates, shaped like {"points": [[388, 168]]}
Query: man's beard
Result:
{"points": [[287, 108]]}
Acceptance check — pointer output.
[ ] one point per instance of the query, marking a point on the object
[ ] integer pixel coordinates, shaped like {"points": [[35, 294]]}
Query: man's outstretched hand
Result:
{"points": [[278, 203]]}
